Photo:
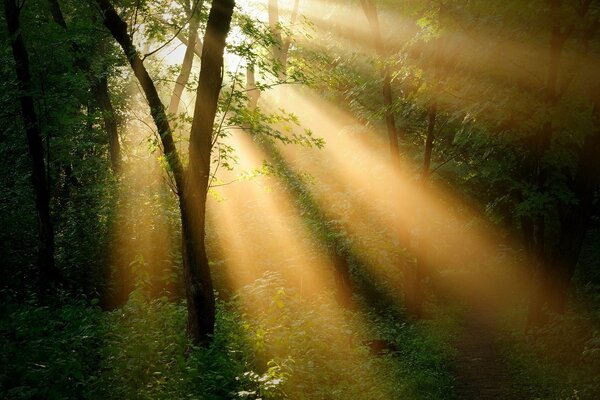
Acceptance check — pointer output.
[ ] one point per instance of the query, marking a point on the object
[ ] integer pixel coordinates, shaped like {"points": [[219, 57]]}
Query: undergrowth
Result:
{"points": [[561, 359], [269, 343]]}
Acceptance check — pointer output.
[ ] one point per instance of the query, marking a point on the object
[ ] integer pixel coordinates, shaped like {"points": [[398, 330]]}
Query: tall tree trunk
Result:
{"points": [[252, 90], [343, 282], [49, 275], [412, 282], [186, 66], [415, 294], [192, 187], [542, 291], [57, 14], [277, 49], [99, 90], [198, 175], [414, 299], [390, 121], [181, 36], [575, 219], [102, 99]]}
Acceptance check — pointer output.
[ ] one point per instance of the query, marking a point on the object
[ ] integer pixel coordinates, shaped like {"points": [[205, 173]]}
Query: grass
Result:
{"points": [[284, 347]]}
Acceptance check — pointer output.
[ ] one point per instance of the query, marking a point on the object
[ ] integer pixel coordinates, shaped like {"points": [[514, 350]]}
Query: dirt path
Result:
{"points": [[480, 371]]}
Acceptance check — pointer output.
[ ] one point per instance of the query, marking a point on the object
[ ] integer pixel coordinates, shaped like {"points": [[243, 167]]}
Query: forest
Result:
{"points": [[300, 199]]}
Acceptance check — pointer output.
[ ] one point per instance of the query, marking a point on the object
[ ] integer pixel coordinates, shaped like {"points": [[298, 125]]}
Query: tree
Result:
{"points": [[98, 88], [371, 13], [191, 43], [191, 184], [49, 275], [279, 49], [556, 263]]}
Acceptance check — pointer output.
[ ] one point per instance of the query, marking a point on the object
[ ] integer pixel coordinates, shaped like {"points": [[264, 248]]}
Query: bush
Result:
{"points": [[269, 343], [48, 353]]}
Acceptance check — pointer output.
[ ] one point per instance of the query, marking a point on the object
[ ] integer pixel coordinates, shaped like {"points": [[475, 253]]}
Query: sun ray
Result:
{"points": [[389, 202], [259, 230]]}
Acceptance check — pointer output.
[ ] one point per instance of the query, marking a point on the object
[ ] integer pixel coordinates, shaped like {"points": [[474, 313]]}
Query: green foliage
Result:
{"points": [[321, 352], [269, 343], [48, 352], [560, 360], [143, 352]]}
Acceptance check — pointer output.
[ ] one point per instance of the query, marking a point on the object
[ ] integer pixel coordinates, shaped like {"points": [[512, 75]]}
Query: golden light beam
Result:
{"points": [[482, 59], [266, 217], [261, 231], [389, 202], [143, 235]]}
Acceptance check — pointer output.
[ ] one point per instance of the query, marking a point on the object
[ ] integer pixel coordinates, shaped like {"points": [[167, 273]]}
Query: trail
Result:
{"points": [[480, 370]]}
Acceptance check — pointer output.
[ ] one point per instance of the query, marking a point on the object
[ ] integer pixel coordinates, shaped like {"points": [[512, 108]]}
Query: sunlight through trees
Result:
{"points": [[303, 199]]}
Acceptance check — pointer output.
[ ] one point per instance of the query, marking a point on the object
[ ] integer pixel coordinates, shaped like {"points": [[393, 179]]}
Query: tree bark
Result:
{"points": [[415, 294], [252, 90], [575, 219], [414, 300], [181, 36], [57, 14], [277, 49], [390, 121], [542, 290], [49, 275], [191, 186], [100, 92], [186, 66], [343, 282], [198, 174], [102, 98], [118, 29]]}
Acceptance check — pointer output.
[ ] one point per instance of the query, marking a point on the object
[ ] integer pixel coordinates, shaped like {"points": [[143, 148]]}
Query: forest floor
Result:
{"points": [[481, 371]]}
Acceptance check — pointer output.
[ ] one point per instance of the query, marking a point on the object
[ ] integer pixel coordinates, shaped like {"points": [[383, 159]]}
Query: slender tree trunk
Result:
{"points": [[288, 40], [57, 14], [186, 66], [542, 291], [277, 49], [423, 249], [390, 121], [100, 92], [102, 98], [343, 282], [192, 187], [575, 219], [181, 36], [201, 139], [197, 45], [49, 275], [252, 91], [414, 300], [412, 281]]}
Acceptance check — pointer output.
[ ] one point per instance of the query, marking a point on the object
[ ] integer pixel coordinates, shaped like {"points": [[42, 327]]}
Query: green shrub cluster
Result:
{"points": [[560, 360], [49, 353], [270, 343]]}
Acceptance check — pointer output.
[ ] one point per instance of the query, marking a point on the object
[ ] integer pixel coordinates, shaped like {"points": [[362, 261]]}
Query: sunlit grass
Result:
{"points": [[259, 231]]}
